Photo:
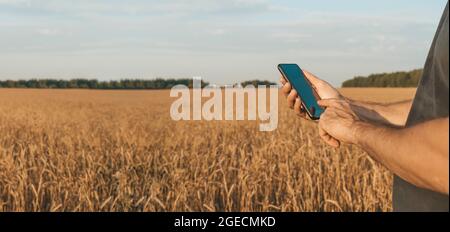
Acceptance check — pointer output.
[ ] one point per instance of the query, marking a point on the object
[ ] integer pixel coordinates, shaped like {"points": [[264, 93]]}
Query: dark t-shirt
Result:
{"points": [[430, 102]]}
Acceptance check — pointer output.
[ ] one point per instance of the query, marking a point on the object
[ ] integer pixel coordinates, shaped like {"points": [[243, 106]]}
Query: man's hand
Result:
{"points": [[323, 89], [418, 154], [339, 122]]}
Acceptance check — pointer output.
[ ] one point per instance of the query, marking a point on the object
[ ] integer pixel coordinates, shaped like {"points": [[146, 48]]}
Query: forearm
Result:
{"points": [[417, 154], [391, 114]]}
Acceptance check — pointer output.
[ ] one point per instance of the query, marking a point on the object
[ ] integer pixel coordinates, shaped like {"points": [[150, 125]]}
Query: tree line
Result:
{"points": [[394, 79], [120, 84], [95, 84], [256, 83]]}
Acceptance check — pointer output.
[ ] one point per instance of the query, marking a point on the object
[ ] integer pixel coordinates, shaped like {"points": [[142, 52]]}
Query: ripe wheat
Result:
{"points": [[81, 150]]}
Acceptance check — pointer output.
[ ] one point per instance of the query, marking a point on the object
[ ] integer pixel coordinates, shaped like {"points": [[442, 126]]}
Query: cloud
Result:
{"points": [[53, 32], [99, 7], [218, 31], [291, 37], [212, 36], [15, 2]]}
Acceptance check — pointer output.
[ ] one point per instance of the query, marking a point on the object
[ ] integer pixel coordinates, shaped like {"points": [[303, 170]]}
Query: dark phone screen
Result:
{"points": [[297, 78]]}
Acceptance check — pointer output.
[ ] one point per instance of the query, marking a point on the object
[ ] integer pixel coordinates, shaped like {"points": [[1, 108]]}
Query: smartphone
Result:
{"points": [[308, 96]]}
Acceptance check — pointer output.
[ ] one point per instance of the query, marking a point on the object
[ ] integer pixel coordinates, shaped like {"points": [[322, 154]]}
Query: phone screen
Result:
{"points": [[297, 78]]}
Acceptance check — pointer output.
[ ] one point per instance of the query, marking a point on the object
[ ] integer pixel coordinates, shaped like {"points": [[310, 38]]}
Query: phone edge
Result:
{"points": [[303, 104]]}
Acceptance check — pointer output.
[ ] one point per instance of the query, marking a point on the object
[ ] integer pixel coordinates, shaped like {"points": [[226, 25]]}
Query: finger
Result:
{"points": [[333, 112], [286, 89], [302, 109], [291, 98], [328, 102], [312, 78], [304, 113], [334, 142], [298, 107], [282, 80], [337, 109], [328, 139]]}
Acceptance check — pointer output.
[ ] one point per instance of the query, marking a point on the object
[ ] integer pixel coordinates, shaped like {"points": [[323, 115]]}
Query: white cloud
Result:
{"points": [[218, 31], [53, 32], [203, 36], [15, 2], [142, 7], [291, 37]]}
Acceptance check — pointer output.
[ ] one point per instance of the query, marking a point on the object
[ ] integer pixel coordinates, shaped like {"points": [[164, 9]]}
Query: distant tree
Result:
{"points": [[256, 83], [95, 84], [395, 79]]}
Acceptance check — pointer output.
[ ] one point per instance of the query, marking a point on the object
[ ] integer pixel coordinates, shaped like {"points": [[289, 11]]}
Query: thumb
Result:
{"points": [[311, 78]]}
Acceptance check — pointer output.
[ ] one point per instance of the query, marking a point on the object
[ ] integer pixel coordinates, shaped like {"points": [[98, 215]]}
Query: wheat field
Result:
{"points": [[94, 150]]}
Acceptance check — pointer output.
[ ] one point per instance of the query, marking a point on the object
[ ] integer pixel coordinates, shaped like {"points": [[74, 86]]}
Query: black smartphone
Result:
{"points": [[295, 76]]}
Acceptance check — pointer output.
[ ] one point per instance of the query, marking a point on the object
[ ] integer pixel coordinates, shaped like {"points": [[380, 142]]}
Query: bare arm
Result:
{"points": [[418, 154], [394, 114]]}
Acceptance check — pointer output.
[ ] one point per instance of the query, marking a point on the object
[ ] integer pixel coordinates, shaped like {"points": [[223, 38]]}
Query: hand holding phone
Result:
{"points": [[309, 97]]}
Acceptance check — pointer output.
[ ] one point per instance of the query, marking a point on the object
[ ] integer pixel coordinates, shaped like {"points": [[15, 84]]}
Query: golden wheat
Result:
{"points": [[81, 150]]}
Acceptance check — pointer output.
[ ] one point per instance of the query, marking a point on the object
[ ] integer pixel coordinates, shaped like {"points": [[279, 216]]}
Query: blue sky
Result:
{"points": [[222, 41]]}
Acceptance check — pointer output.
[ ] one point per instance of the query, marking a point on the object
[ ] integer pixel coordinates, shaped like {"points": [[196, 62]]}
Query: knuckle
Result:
{"points": [[292, 95]]}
